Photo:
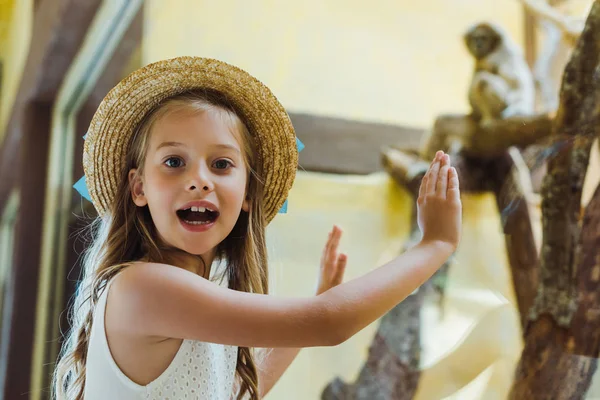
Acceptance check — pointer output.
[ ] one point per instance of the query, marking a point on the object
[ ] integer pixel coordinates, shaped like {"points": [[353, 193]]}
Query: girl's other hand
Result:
{"points": [[439, 209], [333, 264]]}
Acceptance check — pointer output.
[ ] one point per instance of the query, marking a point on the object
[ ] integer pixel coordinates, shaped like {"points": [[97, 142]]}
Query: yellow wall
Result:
{"points": [[401, 62], [15, 33], [6, 9]]}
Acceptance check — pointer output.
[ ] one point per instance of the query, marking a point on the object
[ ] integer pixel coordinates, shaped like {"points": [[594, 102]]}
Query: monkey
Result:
{"points": [[502, 85]]}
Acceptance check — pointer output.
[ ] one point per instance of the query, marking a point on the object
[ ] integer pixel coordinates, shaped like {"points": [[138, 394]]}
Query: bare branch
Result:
{"points": [[511, 183], [570, 26], [490, 139], [551, 49], [407, 169]]}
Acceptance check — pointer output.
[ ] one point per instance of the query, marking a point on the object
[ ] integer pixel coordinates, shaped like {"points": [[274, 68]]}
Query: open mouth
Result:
{"points": [[197, 215]]}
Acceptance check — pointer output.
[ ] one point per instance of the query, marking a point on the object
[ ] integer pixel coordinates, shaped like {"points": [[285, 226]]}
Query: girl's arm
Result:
{"points": [[162, 301]]}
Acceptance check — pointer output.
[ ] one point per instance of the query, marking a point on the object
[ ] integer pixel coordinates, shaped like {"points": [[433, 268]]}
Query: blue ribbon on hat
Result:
{"points": [[300, 147], [81, 185]]}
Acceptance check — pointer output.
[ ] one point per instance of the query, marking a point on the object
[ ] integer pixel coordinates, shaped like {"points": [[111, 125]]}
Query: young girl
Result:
{"points": [[187, 161]]}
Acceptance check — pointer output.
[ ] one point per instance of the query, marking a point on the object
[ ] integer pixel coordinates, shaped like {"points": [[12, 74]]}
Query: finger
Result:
{"points": [[433, 177], [442, 184], [430, 165], [453, 185], [423, 186], [445, 159], [334, 239], [326, 248], [340, 269], [334, 243]]}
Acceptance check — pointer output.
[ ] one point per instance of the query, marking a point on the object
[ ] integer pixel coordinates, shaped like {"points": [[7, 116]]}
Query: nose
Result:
{"points": [[201, 180]]}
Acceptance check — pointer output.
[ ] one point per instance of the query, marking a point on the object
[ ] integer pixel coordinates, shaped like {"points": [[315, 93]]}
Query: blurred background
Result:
{"points": [[354, 76]]}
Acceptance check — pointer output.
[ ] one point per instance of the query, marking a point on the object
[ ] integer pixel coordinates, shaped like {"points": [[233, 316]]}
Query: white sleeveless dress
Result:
{"points": [[199, 370]]}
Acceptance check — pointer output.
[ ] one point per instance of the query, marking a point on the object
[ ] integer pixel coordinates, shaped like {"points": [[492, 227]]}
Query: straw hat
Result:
{"points": [[126, 104]]}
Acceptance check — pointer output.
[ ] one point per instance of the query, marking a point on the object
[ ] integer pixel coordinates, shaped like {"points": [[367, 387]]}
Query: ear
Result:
{"points": [[246, 204], [137, 188]]}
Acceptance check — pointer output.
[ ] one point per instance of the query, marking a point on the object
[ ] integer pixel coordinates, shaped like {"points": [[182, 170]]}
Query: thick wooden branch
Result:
{"points": [[561, 218], [513, 190], [559, 362], [562, 340], [487, 140], [571, 27], [577, 120]]}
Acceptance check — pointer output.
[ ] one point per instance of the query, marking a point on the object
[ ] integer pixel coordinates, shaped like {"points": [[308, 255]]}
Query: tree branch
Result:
{"points": [[513, 190], [560, 362], [570, 26], [489, 139], [577, 120]]}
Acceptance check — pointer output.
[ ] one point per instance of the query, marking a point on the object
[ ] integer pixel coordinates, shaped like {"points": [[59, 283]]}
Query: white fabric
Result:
{"points": [[199, 370]]}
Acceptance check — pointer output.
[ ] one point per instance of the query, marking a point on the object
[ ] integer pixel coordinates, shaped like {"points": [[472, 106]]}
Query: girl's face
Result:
{"points": [[194, 180]]}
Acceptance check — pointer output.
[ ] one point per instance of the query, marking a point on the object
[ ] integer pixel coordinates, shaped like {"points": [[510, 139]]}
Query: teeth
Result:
{"points": [[198, 209], [197, 222]]}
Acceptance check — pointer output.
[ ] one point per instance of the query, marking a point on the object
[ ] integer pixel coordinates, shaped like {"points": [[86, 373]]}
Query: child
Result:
{"points": [[186, 161]]}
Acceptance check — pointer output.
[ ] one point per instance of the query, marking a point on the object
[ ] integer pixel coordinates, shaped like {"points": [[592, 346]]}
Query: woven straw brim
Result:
{"points": [[124, 107]]}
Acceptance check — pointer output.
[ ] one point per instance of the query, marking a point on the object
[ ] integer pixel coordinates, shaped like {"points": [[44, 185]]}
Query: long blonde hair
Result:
{"points": [[127, 234]]}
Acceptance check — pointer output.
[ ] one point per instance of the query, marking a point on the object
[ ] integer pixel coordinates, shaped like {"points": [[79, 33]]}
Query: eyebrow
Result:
{"points": [[178, 144], [169, 144], [228, 147]]}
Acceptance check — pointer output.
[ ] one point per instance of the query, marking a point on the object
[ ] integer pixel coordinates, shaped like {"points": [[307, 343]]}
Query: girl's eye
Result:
{"points": [[222, 164], [174, 162]]}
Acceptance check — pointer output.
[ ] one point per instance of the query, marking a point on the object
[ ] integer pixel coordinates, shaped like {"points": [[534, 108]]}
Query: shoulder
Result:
{"points": [[143, 283], [144, 278], [144, 292]]}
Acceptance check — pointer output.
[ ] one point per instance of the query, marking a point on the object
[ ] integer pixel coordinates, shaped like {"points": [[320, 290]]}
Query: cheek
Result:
{"points": [[161, 189], [162, 181], [235, 190]]}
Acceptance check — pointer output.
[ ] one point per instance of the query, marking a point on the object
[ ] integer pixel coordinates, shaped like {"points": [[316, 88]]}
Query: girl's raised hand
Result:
{"points": [[439, 207], [333, 264]]}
